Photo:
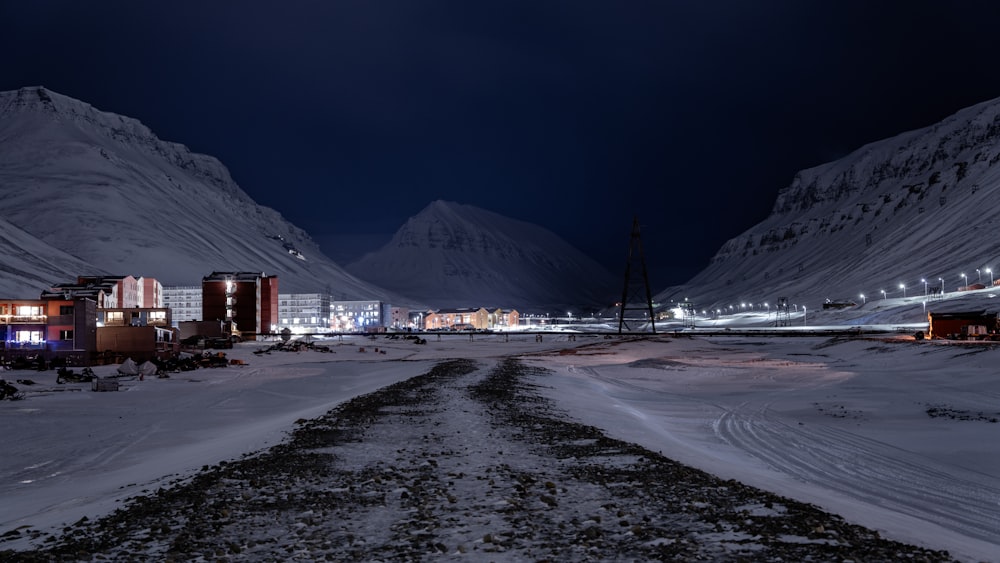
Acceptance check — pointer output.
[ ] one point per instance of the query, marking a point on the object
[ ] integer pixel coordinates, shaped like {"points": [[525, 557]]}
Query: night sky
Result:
{"points": [[350, 117]]}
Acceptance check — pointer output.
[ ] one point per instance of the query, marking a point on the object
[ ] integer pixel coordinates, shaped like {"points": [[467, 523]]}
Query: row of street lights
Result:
{"points": [[731, 309], [965, 283]]}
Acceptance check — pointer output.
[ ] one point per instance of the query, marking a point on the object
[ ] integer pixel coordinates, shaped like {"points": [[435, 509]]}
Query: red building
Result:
{"points": [[247, 299]]}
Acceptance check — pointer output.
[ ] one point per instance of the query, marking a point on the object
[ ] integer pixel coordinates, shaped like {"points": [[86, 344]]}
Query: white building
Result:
{"points": [[359, 316], [304, 313], [184, 302]]}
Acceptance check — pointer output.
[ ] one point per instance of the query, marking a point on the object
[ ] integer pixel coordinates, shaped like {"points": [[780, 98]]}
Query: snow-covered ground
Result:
{"points": [[899, 436]]}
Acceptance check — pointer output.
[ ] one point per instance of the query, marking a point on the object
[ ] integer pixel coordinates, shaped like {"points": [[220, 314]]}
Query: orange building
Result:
{"points": [[53, 328], [468, 318]]}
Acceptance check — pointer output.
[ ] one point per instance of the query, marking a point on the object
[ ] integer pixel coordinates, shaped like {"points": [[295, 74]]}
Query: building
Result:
{"points": [[127, 289], [138, 333], [111, 291], [457, 319], [399, 318], [963, 325], [247, 299], [137, 316], [53, 328], [359, 316], [184, 302], [150, 293], [468, 318], [103, 295], [503, 319], [305, 313]]}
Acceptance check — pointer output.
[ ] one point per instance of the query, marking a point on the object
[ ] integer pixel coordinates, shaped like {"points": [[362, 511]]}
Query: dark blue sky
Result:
{"points": [[350, 117]]}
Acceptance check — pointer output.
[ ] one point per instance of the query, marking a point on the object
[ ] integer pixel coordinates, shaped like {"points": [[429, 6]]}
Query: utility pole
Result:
{"points": [[631, 292]]}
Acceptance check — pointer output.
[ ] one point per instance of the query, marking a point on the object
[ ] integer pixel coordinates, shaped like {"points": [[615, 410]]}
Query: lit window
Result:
{"points": [[32, 336]]}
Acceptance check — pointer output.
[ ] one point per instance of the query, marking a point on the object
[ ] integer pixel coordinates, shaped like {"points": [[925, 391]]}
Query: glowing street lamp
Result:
{"points": [[965, 283], [883, 294], [925, 286], [942, 285], [903, 287], [979, 276], [803, 315], [990, 272], [863, 299]]}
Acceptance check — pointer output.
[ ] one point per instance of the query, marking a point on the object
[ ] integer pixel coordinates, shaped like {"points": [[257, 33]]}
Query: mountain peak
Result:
{"points": [[41, 99], [457, 255]]}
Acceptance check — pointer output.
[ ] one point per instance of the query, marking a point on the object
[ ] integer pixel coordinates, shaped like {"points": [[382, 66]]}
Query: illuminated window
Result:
{"points": [[115, 316], [28, 310], [65, 335], [32, 336]]}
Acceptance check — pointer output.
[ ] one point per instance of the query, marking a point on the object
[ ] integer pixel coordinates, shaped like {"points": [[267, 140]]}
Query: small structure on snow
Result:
{"points": [[964, 325]]}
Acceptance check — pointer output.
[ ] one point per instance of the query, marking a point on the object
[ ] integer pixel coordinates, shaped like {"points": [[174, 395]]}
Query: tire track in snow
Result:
{"points": [[868, 470]]}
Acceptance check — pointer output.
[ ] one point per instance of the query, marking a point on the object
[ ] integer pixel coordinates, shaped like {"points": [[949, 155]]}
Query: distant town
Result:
{"points": [[106, 319]]}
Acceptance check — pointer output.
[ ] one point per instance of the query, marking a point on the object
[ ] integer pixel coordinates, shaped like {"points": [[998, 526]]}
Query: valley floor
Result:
{"points": [[520, 450]]}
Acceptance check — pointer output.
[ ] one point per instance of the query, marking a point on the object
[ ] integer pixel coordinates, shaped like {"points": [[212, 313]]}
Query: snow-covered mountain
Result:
{"points": [[27, 264], [455, 255], [113, 198], [924, 205]]}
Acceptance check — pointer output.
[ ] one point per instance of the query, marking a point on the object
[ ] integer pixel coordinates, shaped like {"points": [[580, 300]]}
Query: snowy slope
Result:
{"points": [[921, 205], [454, 255], [28, 265], [104, 188]]}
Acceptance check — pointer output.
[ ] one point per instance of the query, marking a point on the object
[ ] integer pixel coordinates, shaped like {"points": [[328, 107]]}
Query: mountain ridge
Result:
{"points": [[103, 188], [917, 206]]}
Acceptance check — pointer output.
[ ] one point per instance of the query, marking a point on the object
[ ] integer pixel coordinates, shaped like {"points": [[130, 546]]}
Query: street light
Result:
{"points": [[942, 285], [803, 315], [925, 286], [863, 299], [903, 287], [883, 294], [966, 282], [990, 272], [979, 277]]}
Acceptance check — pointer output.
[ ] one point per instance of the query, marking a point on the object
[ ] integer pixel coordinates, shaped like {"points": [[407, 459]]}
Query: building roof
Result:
{"points": [[963, 313], [236, 276]]}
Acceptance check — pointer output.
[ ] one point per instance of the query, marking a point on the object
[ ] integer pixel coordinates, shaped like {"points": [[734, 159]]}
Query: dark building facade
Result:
{"points": [[247, 299]]}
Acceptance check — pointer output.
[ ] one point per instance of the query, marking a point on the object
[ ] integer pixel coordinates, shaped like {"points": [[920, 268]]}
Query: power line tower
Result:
{"points": [[632, 292], [781, 313]]}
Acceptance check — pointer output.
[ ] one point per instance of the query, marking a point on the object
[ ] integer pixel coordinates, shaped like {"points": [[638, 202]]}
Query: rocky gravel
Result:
{"points": [[464, 462]]}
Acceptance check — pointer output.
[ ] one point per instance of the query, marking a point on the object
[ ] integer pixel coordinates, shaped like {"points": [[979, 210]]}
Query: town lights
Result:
{"points": [[925, 286], [862, 298], [965, 280], [883, 294], [942, 285], [903, 287]]}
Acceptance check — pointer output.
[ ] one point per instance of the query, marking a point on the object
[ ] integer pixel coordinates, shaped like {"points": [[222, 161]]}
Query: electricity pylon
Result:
{"points": [[631, 292]]}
